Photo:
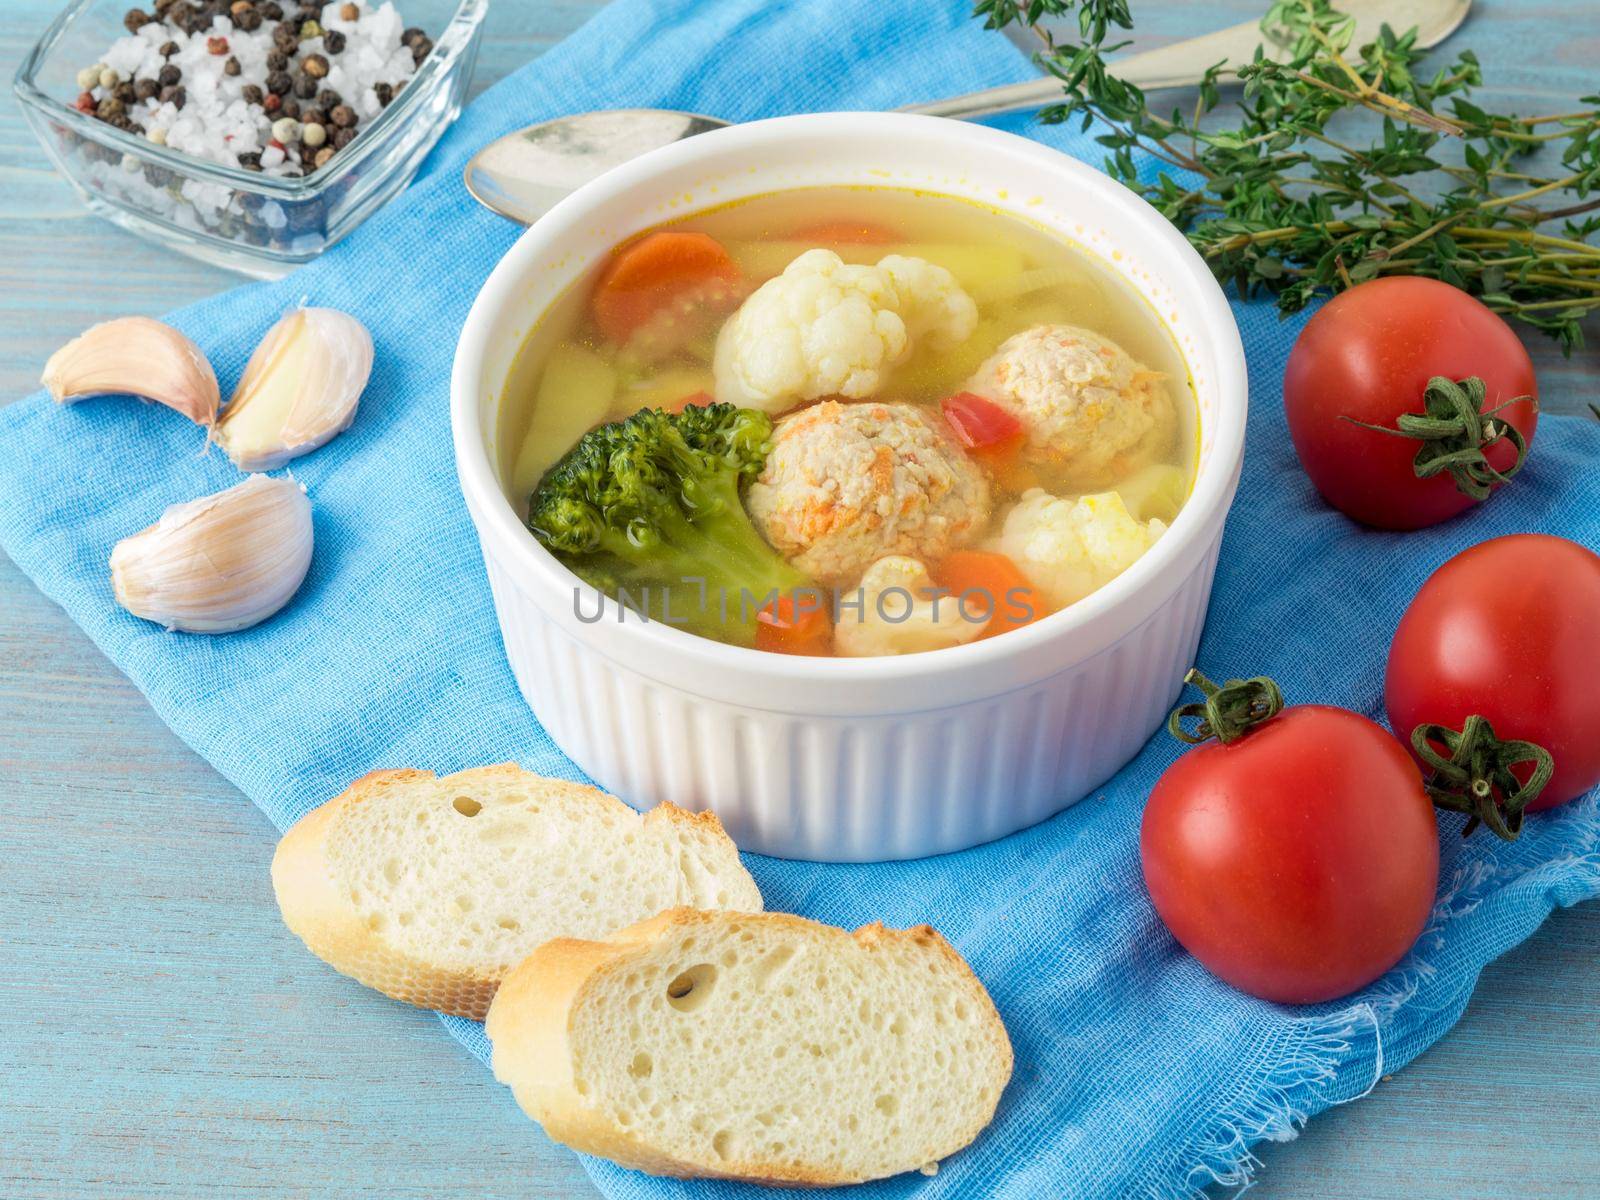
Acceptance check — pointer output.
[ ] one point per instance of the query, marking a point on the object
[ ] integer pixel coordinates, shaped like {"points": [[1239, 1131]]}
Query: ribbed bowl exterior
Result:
{"points": [[854, 789]]}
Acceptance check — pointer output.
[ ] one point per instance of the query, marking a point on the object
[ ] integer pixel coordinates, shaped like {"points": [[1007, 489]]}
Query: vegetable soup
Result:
{"points": [[848, 421]]}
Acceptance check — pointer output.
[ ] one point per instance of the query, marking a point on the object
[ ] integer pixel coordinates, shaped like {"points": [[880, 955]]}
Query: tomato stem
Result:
{"points": [[1474, 774], [1454, 432], [1228, 712]]}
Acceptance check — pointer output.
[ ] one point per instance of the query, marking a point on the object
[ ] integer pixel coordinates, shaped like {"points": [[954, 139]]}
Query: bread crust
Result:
{"points": [[321, 914], [529, 1027]]}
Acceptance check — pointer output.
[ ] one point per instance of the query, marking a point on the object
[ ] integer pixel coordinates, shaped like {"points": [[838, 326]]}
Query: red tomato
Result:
{"points": [[1367, 356], [791, 626], [1509, 630], [978, 423], [1298, 862]]}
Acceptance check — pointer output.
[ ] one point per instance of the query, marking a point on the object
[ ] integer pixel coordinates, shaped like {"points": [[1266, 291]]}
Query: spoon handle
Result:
{"points": [[1181, 64]]}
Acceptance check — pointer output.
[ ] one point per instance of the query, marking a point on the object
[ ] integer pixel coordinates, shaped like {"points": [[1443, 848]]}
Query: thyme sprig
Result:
{"points": [[1340, 164]]}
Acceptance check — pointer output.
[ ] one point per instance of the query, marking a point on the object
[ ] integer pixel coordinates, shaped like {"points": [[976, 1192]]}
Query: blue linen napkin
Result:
{"points": [[1137, 1074]]}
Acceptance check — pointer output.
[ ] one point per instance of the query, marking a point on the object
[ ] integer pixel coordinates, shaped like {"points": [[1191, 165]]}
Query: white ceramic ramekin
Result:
{"points": [[855, 759]]}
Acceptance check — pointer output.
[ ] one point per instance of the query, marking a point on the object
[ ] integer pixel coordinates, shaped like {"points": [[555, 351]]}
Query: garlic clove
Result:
{"points": [[220, 563], [135, 356], [299, 389]]}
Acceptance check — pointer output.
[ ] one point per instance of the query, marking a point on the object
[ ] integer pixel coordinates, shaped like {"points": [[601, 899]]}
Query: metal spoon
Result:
{"points": [[523, 174]]}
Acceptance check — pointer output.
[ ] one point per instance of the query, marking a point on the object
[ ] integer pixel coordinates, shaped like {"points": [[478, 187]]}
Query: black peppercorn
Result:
{"points": [[289, 108], [250, 162], [277, 60], [411, 35], [384, 92], [108, 109], [169, 75], [333, 41], [201, 21], [124, 92], [313, 116], [278, 82], [328, 99], [231, 67], [343, 116], [161, 6], [304, 86], [342, 138], [181, 17], [135, 19], [145, 89], [420, 49], [168, 49], [249, 21], [315, 66], [252, 94], [271, 10], [285, 39], [174, 96]]}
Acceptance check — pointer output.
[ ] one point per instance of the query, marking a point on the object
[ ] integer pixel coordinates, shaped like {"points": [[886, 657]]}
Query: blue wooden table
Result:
{"points": [[161, 1034]]}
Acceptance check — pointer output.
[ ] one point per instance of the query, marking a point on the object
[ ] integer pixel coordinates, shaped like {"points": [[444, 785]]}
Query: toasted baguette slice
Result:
{"points": [[761, 1047], [431, 890]]}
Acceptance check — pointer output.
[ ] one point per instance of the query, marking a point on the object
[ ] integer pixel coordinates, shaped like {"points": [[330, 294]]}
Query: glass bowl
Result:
{"points": [[258, 224]]}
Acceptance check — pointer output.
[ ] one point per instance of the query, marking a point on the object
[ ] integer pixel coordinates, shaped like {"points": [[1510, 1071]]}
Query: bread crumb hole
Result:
{"points": [[641, 1066], [508, 923], [375, 922], [464, 903], [690, 989], [722, 1143], [406, 918], [391, 870], [887, 1104], [466, 806], [962, 1011]]}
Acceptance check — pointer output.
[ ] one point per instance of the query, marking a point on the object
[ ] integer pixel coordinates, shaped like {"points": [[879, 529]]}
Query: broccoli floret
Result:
{"points": [[647, 508]]}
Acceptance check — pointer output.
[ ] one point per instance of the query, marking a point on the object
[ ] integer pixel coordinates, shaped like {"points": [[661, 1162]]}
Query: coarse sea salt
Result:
{"points": [[216, 122]]}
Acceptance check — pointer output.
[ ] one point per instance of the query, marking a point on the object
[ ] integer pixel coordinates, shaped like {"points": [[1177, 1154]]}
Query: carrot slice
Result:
{"points": [[698, 399], [847, 233], [790, 627], [982, 581], [658, 269]]}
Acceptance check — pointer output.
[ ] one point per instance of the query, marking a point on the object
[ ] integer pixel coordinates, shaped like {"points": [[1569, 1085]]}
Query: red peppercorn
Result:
{"points": [[217, 45], [276, 144], [272, 102], [84, 102]]}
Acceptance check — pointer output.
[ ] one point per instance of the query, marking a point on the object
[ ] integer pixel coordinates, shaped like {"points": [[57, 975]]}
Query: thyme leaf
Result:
{"points": [[1340, 164]]}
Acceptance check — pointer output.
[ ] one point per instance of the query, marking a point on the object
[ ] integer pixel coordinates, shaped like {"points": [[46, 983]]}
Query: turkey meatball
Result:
{"points": [[848, 484], [1086, 406]]}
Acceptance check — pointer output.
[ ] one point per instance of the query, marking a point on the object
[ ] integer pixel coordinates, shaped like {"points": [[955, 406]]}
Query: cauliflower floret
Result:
{"points": [[1086, 406], [828, 328], [896, 609], [1068, 548], [847, 484]]}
